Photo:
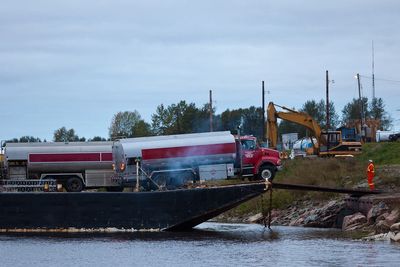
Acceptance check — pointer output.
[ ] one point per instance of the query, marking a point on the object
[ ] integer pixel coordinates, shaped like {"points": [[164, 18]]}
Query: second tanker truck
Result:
{"points": [[75, 165], [174, 160]]}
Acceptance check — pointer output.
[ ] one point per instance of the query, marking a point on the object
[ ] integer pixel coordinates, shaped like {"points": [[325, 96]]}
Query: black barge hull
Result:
{"points": [[112, 211]]}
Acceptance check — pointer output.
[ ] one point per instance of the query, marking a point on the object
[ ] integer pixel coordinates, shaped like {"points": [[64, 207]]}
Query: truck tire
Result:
{"points": [[266, 173], [74, 184]]}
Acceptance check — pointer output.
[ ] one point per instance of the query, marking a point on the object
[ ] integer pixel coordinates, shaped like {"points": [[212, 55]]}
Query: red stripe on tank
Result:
{"points": [[188, 151], [65, 157], [106, 156]]}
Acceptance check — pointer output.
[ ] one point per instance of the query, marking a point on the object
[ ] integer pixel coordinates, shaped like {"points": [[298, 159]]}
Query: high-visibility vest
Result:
{"points": [[371, 168]]}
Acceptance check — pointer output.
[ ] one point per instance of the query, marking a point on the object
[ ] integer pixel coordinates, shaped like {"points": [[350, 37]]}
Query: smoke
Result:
{"points": [[178, 170]]}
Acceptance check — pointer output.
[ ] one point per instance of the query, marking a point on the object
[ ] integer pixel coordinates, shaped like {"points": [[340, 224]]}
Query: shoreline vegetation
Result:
{"points": [[328, 210]]}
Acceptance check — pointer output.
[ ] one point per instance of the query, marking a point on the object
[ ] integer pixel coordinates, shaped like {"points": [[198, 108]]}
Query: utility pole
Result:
{"points": [[361, 107], [327, 102], [373, 71], [211, 112], [263, 113]]}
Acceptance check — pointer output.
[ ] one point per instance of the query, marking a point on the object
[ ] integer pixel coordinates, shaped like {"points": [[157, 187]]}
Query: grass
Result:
{"points": [[385, 153], [330, 172]]}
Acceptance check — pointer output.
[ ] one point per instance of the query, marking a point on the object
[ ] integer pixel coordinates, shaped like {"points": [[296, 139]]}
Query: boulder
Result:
{"points": [[350, 221], [382, 227], [395, 238], [382, 217], [395, 227], [379, 237], [297, 222], [376, 210], [311, 221], [393, 217], [255, 218]]}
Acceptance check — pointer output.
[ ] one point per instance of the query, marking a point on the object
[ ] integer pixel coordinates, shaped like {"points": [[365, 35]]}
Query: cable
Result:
{"points": [[380, 79]]}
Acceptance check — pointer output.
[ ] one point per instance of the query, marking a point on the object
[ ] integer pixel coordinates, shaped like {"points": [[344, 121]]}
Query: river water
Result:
{"points": [[210, 244]]}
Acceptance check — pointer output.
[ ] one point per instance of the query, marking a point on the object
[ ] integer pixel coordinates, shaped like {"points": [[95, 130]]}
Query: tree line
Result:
{"points": [[184, 117]]}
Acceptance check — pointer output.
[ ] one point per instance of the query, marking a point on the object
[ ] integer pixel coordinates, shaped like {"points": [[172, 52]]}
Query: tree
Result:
{"points": [[64, 135], [318, 112], [315, 110], [141, 128], [23, 139], [29, 139], [201, 122], [123, 124], [250, 120], [377, 112], [352, 110], [177, 118], [96, 139]]}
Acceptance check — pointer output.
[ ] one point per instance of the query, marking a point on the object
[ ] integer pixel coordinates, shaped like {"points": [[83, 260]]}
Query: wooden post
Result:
{"points": [[327, 102], [211, 112]]}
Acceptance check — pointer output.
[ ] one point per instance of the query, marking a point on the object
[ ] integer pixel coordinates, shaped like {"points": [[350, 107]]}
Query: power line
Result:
{"points": [[380, 79]]}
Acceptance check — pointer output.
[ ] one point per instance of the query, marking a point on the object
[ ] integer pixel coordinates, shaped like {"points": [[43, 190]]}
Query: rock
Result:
{"points": [[325, 216], [355, 226], [390, 235], [382, 227], [298, 221], [382, 217], [395, 238], [255, 218], [379, 237], [376, 210], [395, 227], [350, 221], [393, 217], [310, 221]]}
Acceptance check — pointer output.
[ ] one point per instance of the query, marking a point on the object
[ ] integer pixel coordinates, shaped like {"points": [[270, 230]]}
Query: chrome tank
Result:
{"points": [[175, 151], [59, 157]]}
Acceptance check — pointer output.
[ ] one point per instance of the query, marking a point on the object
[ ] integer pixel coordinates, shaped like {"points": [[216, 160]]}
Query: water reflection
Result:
{"points": [[211, 244]]}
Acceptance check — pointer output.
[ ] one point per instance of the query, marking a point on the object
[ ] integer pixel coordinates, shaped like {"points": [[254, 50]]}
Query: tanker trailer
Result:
{"points": [[174, 160], [76, 165]]}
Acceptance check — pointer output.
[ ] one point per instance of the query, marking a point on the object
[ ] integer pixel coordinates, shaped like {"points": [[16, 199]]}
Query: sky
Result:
{"points": [[77, 63]]}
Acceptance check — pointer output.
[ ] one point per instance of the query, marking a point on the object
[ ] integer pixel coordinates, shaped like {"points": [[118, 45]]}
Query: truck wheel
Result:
{"points": [[74, 184], [266, 173]]}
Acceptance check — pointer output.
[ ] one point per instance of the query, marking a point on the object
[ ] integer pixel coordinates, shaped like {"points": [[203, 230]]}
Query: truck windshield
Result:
{"points": [[248, 144]]}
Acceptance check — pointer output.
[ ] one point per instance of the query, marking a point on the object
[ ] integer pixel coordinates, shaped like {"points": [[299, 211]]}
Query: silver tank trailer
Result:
{"points": [[60, 157], [204, 155]]}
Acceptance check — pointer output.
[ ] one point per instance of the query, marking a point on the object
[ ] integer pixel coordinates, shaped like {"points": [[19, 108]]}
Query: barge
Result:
{"points": [[173, 210]]}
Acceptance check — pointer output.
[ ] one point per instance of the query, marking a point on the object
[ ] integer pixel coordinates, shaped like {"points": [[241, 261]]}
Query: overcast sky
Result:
{"points": [[77, 63]]}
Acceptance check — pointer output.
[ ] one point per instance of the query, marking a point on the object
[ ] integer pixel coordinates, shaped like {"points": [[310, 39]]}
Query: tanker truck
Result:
{"points": [[75, 165], [175, 160]]}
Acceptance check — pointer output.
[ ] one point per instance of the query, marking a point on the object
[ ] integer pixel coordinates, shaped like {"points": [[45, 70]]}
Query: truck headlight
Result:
{"points": [[122, 166]]}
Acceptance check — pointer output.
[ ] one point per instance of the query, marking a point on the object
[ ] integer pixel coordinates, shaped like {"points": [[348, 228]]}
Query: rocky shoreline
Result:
{"points": [[379, 220]]}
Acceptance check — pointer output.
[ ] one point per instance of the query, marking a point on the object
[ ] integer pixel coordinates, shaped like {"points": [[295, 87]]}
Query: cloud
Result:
{"points": [[77, 63]]}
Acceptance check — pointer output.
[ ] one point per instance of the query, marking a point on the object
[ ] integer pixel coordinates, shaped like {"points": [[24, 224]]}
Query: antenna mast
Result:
{"points": [[373, 71]]}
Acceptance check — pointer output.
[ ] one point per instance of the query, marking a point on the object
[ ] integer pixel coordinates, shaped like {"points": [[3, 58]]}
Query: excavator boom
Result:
{"points": [[329, 140]]}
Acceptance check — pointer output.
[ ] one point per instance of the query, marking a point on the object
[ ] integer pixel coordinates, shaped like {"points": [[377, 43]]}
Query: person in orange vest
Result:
{"points": [[371, 174]]}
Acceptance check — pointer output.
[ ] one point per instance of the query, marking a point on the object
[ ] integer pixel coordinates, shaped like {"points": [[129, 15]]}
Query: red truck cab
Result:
{"points": [[255, 161]]}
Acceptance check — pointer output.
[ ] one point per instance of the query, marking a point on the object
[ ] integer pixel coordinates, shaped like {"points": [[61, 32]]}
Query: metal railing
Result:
{"points": [[43, 185]]}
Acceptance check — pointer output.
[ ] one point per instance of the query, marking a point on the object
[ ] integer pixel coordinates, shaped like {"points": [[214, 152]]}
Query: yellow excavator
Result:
{"points": [[327, 143]]}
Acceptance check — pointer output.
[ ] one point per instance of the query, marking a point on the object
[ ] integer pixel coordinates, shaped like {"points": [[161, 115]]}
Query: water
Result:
{"points": [[210, 244]]}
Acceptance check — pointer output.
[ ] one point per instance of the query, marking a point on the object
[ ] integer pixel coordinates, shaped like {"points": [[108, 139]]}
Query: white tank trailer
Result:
{"points": [[174, 160], [76, 165]]}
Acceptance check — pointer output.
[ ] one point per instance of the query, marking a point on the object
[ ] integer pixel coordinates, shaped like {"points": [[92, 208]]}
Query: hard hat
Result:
{"points": [[370, 160]]}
